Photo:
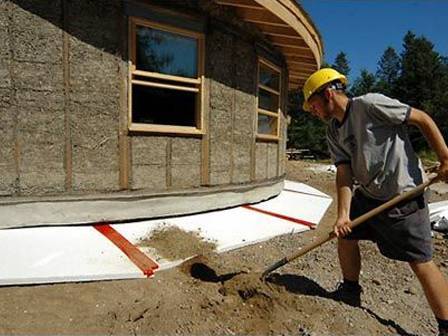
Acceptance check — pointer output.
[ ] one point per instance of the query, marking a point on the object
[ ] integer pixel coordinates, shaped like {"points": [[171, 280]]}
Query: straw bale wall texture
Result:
{"points": [[63, 95]]}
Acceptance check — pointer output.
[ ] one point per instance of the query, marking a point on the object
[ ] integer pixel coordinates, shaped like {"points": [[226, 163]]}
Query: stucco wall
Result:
{"points": [[63, 92]]}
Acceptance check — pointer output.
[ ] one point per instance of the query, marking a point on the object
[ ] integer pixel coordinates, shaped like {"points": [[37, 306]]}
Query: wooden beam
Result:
{"points": [[261, 16], [292, 16], [300, 69], [290, 46], [267, 88], [295, 8], [296, 81], [267, 137], [165, 86], [287, 31], [165, 129], [264, 22], [295, 86], [298, 76], [124, 142], [302, 52], [306, 65], [166, 77], [293, 35], [205, 142], [287, 41], [239, 3], [294, 56]]}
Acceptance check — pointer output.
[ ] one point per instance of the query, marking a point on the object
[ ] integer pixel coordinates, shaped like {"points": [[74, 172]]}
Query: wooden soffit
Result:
{"points": [[289, 28]]}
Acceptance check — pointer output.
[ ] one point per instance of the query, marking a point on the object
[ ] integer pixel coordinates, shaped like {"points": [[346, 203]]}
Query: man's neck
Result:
{"points": [[341, 102]]}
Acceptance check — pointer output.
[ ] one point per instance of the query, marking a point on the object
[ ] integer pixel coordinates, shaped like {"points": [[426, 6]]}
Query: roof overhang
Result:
{"points": [[289, 28]]}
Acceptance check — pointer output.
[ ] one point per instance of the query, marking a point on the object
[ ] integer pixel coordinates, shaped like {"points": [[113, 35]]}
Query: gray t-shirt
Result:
{"points": [[373, 138]]}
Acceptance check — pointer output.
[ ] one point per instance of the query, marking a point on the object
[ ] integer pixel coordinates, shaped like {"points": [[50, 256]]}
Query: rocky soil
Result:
{"points": [[222, 294]]}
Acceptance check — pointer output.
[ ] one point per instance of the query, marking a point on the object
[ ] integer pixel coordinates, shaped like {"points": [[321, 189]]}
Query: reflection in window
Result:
{"points": [[268, 100], [166, 78], [165, 52], [269, 78], [267, 124]]}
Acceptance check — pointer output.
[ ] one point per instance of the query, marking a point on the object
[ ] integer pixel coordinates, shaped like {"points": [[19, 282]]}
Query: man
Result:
{"points": [[369, 143]]}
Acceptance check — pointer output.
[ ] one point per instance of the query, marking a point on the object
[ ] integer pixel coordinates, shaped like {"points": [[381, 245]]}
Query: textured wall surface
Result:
{"points": [[94, 92], [31, 58], [63, 92], [8, 171]]}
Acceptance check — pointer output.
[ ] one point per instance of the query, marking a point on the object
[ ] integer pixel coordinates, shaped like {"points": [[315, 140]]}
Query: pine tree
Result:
{"points": [[388, 72], [365, 83], [341, 64], [423, 82], [421, 66]]}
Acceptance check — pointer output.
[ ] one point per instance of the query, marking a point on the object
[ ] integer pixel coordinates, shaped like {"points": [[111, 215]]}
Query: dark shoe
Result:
{"points": [[443, 332], [349, 294]]}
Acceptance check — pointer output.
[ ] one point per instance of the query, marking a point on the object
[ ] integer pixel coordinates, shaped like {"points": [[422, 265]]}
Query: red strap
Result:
{"points": [[291, 219], [141, 260]]}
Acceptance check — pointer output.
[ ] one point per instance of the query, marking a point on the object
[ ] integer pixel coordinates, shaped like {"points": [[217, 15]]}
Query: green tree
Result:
{"points": [[421, 66], [423, 82], [365, 83], [304, 130], [388, 72], [341, 64]]}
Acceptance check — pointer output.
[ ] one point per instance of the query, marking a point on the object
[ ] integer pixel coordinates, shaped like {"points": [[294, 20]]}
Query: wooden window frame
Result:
{"points": [[175, 82], [261, 136]]}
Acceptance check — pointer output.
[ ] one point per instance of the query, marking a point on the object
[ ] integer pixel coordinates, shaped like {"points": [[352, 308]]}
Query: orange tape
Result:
{"points": [[141, 260], [291, 219]]}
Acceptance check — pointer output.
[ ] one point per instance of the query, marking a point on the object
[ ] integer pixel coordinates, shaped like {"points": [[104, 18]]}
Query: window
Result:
{"points": [[268, 109], [166, 77]]}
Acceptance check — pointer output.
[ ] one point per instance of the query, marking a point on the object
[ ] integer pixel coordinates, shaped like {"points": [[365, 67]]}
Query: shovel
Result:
{"points": [[326, 237]]}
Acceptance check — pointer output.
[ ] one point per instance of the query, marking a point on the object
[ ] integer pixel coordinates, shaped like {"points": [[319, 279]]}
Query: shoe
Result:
{"points": [[349, 294], [443, 332]]}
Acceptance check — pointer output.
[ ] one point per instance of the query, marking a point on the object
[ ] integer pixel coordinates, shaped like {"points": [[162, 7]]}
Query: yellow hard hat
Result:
{"points": [[318, 80]]}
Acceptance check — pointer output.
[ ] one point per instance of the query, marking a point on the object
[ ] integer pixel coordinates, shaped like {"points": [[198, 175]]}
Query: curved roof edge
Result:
{"points": [[286, 24]]}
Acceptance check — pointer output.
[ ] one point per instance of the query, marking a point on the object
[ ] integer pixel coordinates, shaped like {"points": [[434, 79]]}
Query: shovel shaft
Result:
{"points": [[319, 240]]}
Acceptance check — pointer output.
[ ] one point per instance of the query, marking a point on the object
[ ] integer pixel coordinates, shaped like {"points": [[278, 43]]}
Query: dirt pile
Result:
{"points": [[173, 243]]}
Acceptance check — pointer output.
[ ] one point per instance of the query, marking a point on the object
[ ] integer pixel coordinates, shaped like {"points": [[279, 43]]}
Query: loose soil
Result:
{"points": [[173, 243], [223, 294]]}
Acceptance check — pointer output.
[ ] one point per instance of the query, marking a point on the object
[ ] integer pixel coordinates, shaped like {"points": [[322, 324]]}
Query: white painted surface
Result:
{"points": [[438, 215], [304, 202], [60, 254], [81, 253]]}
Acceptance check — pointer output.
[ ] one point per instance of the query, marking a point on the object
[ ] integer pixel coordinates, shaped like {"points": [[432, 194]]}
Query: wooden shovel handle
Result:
{"points": [[361, 219]]}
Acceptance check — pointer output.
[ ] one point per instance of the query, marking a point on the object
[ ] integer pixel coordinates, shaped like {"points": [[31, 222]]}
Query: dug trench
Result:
{"points": [[248, 286]]}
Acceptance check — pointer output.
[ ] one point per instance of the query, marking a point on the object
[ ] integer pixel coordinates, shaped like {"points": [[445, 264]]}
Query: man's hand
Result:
{"points": [[341, 227]]}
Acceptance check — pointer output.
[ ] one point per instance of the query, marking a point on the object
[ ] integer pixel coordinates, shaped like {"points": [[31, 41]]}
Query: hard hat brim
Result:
{"points": [[306, 107]]}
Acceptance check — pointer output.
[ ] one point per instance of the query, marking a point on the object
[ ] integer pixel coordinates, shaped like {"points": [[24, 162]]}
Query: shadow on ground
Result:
{"points": [[301, 285]]}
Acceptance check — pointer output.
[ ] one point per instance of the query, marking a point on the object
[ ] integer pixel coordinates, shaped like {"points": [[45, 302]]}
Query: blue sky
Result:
{"points": [[363, 29]]}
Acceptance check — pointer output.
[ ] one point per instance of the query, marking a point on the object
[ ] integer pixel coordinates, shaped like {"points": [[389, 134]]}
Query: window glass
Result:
{"points": [[267, 125], [269, 77], [152, 105], [166, 53], [267, 100]]}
